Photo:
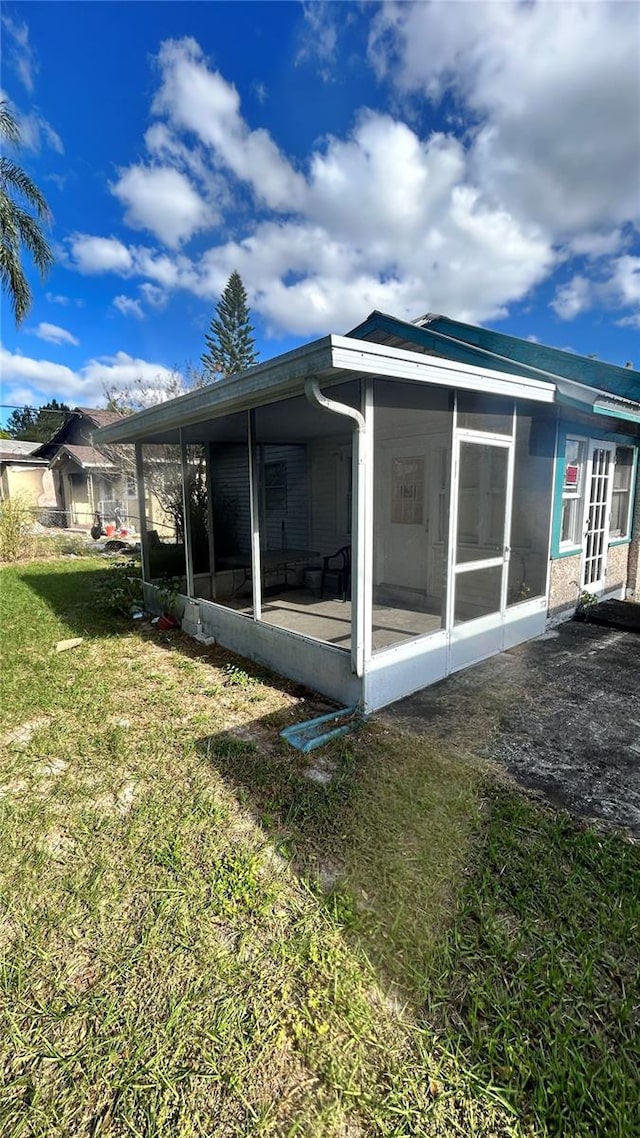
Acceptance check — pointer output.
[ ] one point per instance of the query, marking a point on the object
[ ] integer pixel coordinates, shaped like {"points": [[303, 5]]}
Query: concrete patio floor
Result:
{"points": [[561, 714], [330, 619]]}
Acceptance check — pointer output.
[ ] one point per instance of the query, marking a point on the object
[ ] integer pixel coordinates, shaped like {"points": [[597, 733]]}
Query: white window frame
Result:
{"points": [[580, 497], [618, 538]]}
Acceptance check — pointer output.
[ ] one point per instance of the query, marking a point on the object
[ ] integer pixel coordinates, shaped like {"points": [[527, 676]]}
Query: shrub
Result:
{"points": [[17, 540]]}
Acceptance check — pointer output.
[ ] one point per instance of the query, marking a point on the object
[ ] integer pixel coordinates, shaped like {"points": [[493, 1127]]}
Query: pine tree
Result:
{"points": [[37, 424], [230, 345]]}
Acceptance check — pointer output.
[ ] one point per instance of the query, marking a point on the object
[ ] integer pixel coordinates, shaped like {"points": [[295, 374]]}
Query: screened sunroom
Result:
{"points": [[360, 518]]}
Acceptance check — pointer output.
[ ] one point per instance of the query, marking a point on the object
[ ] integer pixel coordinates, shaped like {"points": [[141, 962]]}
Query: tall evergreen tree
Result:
{"points": [[230, 345], [19, 229], [37, 424]]}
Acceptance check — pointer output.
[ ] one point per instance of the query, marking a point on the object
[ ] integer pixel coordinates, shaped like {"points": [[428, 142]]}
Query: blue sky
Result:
{"points": [[478, 160]]}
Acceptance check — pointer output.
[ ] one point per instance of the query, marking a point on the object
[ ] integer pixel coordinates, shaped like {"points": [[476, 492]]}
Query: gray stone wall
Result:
{"points": [[564, 585], [617, 564]]}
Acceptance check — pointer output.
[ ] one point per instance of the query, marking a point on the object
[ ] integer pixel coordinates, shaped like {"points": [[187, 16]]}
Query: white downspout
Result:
{"points": [[358, 594]]}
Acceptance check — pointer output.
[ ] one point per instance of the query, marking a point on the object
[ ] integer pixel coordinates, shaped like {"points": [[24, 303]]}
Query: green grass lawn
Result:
{"points": [[196, 939]]}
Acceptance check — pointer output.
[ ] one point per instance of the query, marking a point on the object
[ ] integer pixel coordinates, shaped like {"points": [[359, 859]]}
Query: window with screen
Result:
{"points": [[275, 487], [575, 456], [621, 495], [407, 491]]}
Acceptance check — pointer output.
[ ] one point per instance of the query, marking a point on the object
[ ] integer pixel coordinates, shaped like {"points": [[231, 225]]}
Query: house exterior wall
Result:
{"points": [[633, 564], [286, 528], [617, 567], [564, 585], [34, 483], [77, 496], [329, 478], [322, 667], [230, 480]]}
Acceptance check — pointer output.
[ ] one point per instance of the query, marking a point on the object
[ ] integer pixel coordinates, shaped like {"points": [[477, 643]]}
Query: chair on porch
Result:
{"points": [[336, 570]]}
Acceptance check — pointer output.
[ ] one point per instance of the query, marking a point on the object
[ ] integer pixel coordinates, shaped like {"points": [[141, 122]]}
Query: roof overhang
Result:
{"points": [[596, 402], [331, 360], [22, 460], [96, 463]]}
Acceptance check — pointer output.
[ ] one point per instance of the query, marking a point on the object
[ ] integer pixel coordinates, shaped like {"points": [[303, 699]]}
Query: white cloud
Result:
{"points": [[625, 279], [554, 90], [617, 286], [388, 215], [162, 200], [319, 36], [573, 297], [54, 334], [128, 306], [56, 298], [100, 254], [193, 98], [630, 321], [40, 380], [21, 53], [35, 129], [153, 295], [59, 180], [597, 244], [345, 236]]}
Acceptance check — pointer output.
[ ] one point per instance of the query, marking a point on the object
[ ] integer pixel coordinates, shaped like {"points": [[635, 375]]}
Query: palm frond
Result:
{"points": [[14, 178], [9, 129], [14, 282], [32, 239], [18, 228]]}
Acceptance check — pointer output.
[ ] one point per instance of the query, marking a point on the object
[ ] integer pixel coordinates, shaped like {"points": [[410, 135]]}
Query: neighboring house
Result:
{"points": [[85, 479], [89, 479], [480, 484], [23, 474]]}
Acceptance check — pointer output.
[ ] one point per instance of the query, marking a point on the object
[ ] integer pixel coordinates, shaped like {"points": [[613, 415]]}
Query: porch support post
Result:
{"points": [[209, 484], [365, 471], [186, 517], [142, 523], [256, 570], [91, 495]]}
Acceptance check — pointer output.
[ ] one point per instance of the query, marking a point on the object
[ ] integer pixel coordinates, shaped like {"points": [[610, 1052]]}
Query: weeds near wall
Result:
{"points": [[119, 589], [17, 540]]}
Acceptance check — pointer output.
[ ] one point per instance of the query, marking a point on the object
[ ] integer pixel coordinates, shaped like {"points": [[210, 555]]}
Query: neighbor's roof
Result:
{"points": [[87, 457], [18, 450], [96, 416], [101, 418]]}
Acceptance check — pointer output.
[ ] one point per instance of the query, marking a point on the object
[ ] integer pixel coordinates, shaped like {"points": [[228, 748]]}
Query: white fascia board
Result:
{"points": [[381, 359], [277, 377], [327, 360]]}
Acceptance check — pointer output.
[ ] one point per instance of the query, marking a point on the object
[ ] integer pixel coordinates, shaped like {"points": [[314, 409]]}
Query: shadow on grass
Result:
{"points": [[511, 929], [71, 593]]}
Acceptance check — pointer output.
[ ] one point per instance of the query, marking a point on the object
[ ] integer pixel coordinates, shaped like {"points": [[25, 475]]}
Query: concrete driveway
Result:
{"points": [[561, 714]]}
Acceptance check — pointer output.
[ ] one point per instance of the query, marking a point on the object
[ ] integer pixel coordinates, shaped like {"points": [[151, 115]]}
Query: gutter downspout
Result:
{"points": [[361, 443]]}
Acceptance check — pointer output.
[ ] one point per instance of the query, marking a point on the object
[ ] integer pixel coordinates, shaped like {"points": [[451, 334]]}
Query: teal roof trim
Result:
{"points": [[473, 345], [621, 381]]}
